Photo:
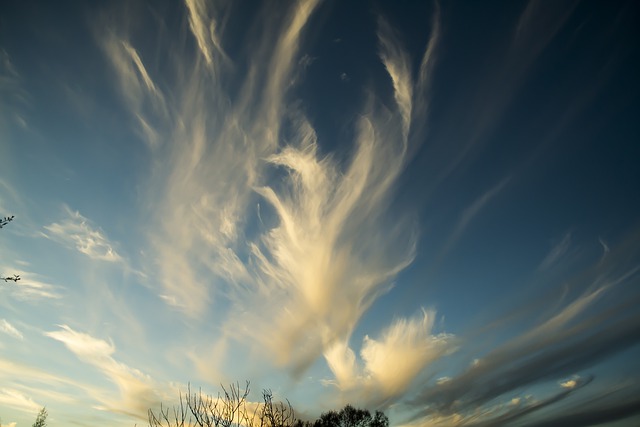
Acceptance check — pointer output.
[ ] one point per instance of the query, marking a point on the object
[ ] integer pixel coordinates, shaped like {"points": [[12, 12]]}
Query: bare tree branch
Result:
{"points": [[6, 220], [230, 408]]}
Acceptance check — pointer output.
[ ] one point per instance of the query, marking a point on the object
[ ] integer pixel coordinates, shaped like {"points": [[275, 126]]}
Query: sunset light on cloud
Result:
{"points": [[425, 208]]}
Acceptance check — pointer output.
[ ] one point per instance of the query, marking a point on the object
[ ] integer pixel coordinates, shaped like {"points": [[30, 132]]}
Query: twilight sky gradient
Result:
{"points": [[430, 208]]}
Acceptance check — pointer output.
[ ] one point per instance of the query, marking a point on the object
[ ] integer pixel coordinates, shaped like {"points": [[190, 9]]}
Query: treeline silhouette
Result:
{"points": [[347, 417], [230, 408]]}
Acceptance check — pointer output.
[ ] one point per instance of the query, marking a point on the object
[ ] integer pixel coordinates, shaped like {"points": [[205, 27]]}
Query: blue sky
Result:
{"points": [[420, 207]]}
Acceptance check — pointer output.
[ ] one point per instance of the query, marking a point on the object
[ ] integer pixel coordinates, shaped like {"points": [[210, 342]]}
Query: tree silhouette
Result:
{"points": [[229, 408], [41, 420], [350, 417], [6, 220]]}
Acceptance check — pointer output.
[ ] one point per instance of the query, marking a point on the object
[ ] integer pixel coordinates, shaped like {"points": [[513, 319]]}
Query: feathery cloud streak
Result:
{"points": [[76, 232], [332, 253], [575, 337], [137, 392], [13, 95], [389, 364], [214, 148], [16, 399], [321, 250], [556, 253], [31, 286], [10, 330]]}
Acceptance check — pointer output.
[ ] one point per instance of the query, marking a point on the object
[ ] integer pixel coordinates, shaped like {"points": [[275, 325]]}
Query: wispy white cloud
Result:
{"points": [[427, 65], [137, 87], [279, 68], [331, 251], [86, 347], [10, 330], [537, 16], [314, 262], [9, 74], [398, 65], [41, 380], [500, 412], [137, 391], [9, 198], [77, 232], [204, 28], [570, 383], [12, 93], [31, 286], [15, 399], [140, 68], [389, 365], [198, 197], [605, 249], [571, 338], [470, 212], [404, 350], [488, 93], [556, 253], [215, 156], [52, 387], [323, 249]]}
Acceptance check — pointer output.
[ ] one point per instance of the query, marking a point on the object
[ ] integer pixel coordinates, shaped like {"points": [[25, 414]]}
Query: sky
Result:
{"points": [[426, 208]]}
